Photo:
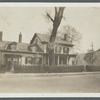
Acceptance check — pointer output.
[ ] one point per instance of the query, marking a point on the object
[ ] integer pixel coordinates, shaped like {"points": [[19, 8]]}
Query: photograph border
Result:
{"points": [[48, 96]]}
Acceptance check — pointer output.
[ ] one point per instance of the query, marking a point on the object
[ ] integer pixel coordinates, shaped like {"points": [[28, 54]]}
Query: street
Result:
{"points": [[89, 83]]}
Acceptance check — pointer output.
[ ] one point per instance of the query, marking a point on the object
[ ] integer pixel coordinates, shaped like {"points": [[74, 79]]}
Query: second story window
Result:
{"points": [[67, 50], [64, 50], [60, 48]]}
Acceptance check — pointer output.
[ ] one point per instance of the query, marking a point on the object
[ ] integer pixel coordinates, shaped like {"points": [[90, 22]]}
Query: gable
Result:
{"points": [[37, 41]]}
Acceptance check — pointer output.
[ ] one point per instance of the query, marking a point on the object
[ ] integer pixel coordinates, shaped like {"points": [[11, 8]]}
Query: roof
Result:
{"points": [[80, 59], [45, 38], [4, 44], [20, 46]]}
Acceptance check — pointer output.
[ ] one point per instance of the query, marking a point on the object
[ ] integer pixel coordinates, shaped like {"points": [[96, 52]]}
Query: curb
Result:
{"points": [[33, 75]]}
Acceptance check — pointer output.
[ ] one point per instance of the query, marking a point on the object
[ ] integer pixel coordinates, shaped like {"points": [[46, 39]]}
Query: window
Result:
{"points": [[39, 60], [67, 50], [36, 41], [64, 60], [57, 49], [73, 62], [60, 49], [33, 49], [64, 50], [28, 60], [13, 47]]}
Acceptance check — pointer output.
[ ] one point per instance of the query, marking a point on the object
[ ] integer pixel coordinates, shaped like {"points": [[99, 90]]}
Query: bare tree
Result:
{"points": [[74, 36], [90, 57], [56, 23]]}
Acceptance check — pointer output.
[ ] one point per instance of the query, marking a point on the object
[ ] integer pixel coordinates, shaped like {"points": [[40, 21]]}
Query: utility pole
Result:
{"points": [[92, 46], [92, 53]]}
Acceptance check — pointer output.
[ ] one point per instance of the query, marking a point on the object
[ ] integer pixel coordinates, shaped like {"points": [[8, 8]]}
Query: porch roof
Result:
{"points": [[70, 55], [12, 55]]}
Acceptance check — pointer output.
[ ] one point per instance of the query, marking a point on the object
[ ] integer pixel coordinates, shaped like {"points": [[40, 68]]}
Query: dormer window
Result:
{"points": [[32, 48], [12, 46]]}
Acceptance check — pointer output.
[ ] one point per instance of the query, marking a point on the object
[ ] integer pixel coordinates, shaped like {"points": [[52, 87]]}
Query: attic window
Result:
{"points": [[36, 41], [32, 48]]}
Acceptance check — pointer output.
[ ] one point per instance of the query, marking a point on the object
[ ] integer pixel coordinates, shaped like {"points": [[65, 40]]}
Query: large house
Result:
{"points": [[35, 52]]}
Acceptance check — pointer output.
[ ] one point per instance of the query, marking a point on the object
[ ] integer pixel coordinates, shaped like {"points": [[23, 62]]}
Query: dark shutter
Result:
{"points": [[26, 60]]}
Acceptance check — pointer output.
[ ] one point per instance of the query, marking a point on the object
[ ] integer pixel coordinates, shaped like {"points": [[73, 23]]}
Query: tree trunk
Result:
{"points": [[56, 22]]}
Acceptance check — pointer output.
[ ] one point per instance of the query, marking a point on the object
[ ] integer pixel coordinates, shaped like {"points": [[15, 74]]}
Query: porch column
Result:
{"points": [[61, 60], [58, 60], [68, 60], [48, 59]]}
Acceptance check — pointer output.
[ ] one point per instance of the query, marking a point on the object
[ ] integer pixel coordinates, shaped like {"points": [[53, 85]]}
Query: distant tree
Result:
{"points": [[90, 57], [56, 20], [74, 36]]}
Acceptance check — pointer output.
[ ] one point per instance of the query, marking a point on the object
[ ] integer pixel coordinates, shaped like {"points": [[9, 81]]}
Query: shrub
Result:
{"points": [[3, 68], [48, 69], [93, 68]]}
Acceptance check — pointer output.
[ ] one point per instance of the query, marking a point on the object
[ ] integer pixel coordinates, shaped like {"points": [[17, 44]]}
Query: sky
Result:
{"points": [[31, 20]]}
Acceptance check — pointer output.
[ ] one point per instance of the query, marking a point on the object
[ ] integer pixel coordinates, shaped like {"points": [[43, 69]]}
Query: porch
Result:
{"points": [[60, 59]]}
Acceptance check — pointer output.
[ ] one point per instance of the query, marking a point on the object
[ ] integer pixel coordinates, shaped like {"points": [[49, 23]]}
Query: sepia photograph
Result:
{"points": [[49, 49]]}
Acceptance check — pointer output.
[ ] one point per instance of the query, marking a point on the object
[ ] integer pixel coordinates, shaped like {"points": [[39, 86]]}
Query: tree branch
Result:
{"points": [[48, 15]]}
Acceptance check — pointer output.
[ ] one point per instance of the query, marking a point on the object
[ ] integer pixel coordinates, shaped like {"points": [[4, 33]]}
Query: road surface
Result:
{"points": [[89, 83]]}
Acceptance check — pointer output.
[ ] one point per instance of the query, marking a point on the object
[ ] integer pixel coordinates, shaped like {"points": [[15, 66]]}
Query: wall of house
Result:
{"points": [[97, 58], [22, 59], [59, 49]]}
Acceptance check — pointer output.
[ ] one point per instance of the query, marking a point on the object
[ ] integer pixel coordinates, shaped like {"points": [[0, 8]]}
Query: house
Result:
{"points": [[62, 50], [35, 52], [81, 58]]}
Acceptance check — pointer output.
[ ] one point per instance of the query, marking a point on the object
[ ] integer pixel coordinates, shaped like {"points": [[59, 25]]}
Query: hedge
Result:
{"points": [[3, 68], [47, 69], [92, 68]]}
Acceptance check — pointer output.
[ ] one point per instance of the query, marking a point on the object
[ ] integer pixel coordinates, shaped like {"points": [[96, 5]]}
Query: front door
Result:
{"points": [[11, 63]]}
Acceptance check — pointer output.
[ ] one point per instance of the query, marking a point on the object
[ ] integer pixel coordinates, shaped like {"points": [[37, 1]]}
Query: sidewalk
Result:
{"points": [[33, 75]]}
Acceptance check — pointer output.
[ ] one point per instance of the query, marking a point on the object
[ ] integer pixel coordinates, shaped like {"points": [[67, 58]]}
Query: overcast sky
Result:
{"points": [[30, 20]]}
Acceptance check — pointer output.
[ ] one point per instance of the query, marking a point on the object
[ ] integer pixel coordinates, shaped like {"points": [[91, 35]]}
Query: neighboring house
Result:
{"points": [[81, 61], [36, 52]]}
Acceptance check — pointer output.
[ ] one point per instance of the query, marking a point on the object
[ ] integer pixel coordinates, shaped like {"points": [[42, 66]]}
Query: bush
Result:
{"points": [[47, 69], [93, 68], [3, 68]]}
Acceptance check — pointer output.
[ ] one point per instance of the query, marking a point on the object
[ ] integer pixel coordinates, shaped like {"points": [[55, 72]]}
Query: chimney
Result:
{"points": [[20, 38], [1, 35], [66, 37]]}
